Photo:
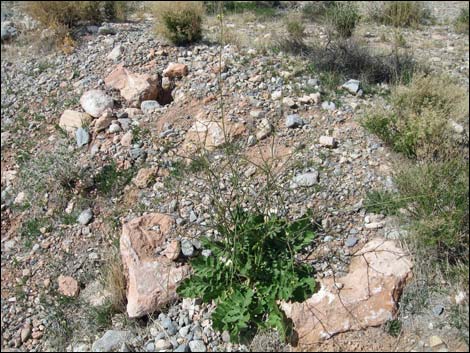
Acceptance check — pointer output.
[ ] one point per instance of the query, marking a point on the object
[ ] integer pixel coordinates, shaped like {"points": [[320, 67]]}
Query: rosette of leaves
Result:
{"points": [[251, 268]]}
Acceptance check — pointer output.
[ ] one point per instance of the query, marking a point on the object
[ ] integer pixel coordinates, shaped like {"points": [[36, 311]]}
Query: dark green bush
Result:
{"points": [[251, 268]]}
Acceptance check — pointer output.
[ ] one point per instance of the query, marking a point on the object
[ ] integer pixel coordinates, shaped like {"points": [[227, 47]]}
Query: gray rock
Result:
{"points": [[351, 241], [106, 29], [182, 348], [114, 128], [293, 121], [115, 53], [226, 336], [8, 32], [352, 86], [187, 247], [150, 106], [306, 179], [85, 217], [162, 344], [197, 346], [82, 136], [111, 340], [95, 102], [328, 106], [438, 310]]}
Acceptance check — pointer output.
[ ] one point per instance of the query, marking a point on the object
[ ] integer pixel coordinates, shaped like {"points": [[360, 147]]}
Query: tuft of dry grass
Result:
{"points": [[114, 282], [400, 13]]}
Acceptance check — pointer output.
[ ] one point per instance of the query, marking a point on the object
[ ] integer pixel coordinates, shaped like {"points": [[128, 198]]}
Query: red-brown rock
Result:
{"points": [[68, 286], [135, 88], [151, 279], [176, 70]]}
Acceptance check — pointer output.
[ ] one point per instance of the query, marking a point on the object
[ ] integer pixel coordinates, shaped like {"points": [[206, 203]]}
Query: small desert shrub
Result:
{"points": [[293, 42], [316, 10], [179, 21], [55, 173], [261, 9], [439, 206], [69, 13], [417, 122], [400, 13], [461, 23], [386, 202], [342, 18], [350, 59]]}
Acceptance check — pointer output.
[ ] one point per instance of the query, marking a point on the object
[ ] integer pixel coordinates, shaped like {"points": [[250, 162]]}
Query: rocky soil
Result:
{"points": [[124, 111]]}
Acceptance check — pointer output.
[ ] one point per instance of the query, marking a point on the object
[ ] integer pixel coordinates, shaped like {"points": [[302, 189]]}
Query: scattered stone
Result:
{"points": [[436, 342], [148, 107], [111, 341], [96, 102], [71, 120], [438, 310], [210, 134], [115, 53], [68, 286], [162, 344], [293, 121], [289, 102], [264, 129], [328, 106], [306, 179], [327, 141], [114, 128], [26, 332], [103, 122], [143, 177], [176, 70], [8, 31], [105, 29], [257, 114], [82, 136], [85, 217], [197, 346], [187, 248], [182, 348], [316, 97], [352, 86], [276, 95], [126, 139], [351, 241], [173, 250]]}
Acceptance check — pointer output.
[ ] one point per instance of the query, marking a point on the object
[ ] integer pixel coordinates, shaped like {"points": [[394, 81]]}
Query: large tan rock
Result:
{"points": [[151, 279], [135, 88], [175, 70], [366, 296], [211, 134], [71, 120], [68, 286]]}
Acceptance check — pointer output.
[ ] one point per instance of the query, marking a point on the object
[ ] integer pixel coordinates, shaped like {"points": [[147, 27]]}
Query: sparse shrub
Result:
{"points": [[439, 205], [400, 13], [316, 10], [55, 173], [342, 17], [109, 180], [179, 21], [259, 8], [294, 41], [69, 13], [417, 123], [385, 202], [461, 23], [349, 59]]}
